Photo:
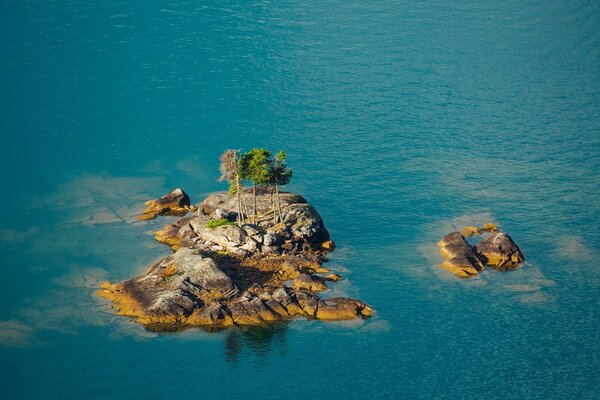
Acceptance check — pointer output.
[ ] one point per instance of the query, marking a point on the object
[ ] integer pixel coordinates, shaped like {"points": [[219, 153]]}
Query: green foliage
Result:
{"points": [[232, 188], [280, 173], [215, 223], [256, 166]]}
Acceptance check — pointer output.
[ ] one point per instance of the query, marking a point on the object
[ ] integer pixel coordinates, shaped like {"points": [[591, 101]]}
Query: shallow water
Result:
{"points": [[402, 121]]}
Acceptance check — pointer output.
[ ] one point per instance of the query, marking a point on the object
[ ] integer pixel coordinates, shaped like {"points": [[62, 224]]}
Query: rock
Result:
{"points": [[304, 223], [179, 233], [496, 251], [333, 277], [272, 239], [307, 302], [343, 308], [176, 202], [308, 282], [171, 290], [234, 275], [251, 311], [270, 249], [499, 251], [460, 259], [489, 227], [328, 245], [228, 203], [254, 233], [220, 214], [215, 314], [470, 231], [230, 237]]}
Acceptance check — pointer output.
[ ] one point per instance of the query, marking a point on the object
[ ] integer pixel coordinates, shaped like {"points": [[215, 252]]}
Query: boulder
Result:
{"points": [[303, 222], [272, 239], [470, 231], [333, 277], [328, 246], [499, 251], [230, 237], [220, 214], [227, 202], [176, 202], [460, 259], [312, 283], [489, 227], [342, 309]]}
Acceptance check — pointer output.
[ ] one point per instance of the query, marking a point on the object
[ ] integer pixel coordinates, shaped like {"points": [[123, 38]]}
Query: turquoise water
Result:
{"points": [[401, 120]]}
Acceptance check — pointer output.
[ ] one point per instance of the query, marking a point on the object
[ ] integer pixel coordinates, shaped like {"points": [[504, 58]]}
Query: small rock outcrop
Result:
{"points": [[223, 273], [497, 250], [460, 258], [176, 202]]}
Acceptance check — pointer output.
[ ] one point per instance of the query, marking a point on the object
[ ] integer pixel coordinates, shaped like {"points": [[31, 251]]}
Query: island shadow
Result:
{"points": [[259, 340]]}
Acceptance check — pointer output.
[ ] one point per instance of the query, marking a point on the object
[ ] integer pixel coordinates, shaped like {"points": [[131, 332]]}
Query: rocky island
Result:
{"points": [[496, 250], [233, 264]]}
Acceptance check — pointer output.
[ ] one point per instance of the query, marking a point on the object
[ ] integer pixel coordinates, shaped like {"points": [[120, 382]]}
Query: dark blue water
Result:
{"points": [[402, 121]]}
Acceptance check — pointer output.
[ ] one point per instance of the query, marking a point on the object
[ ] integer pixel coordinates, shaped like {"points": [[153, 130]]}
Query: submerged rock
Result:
{"points": [[225, 274], [176, 202], [496, 251]]}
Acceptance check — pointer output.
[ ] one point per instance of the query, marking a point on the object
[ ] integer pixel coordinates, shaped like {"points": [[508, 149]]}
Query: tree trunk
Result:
{"points": [[272, 190], [254, 195], [245, 204], [239, 200], [278, 202]]}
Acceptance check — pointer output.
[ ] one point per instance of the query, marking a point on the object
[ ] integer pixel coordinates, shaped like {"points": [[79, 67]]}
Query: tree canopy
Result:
{"points": [[255, 166], [261, 169]]}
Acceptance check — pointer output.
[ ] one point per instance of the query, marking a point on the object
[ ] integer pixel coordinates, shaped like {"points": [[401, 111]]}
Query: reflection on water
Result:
{"points": [[260, 340]]}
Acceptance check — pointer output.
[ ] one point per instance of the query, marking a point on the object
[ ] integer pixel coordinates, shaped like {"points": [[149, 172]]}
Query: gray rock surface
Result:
{"points": [[499, 251]]}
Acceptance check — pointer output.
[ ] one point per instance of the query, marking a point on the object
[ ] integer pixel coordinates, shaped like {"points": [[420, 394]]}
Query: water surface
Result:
{"points": [[402, 121]]}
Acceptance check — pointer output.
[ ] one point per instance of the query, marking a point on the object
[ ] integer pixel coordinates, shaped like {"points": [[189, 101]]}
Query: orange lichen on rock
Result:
{"points": [[124, 303], [328, 245], [342, 309], [489, 227], [176, 202], [470, 231]]}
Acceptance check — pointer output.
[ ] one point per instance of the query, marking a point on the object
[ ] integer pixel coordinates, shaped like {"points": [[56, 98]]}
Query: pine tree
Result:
{"points": [[256, 166], [281, 175]]}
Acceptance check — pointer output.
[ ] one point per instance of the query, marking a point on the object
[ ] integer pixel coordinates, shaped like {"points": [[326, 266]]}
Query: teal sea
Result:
{"points": [[402, 120]]}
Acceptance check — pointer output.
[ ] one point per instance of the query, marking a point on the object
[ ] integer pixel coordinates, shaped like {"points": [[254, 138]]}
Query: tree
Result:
{"points": [[281, 175], [229, 172], [256, 166]]}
